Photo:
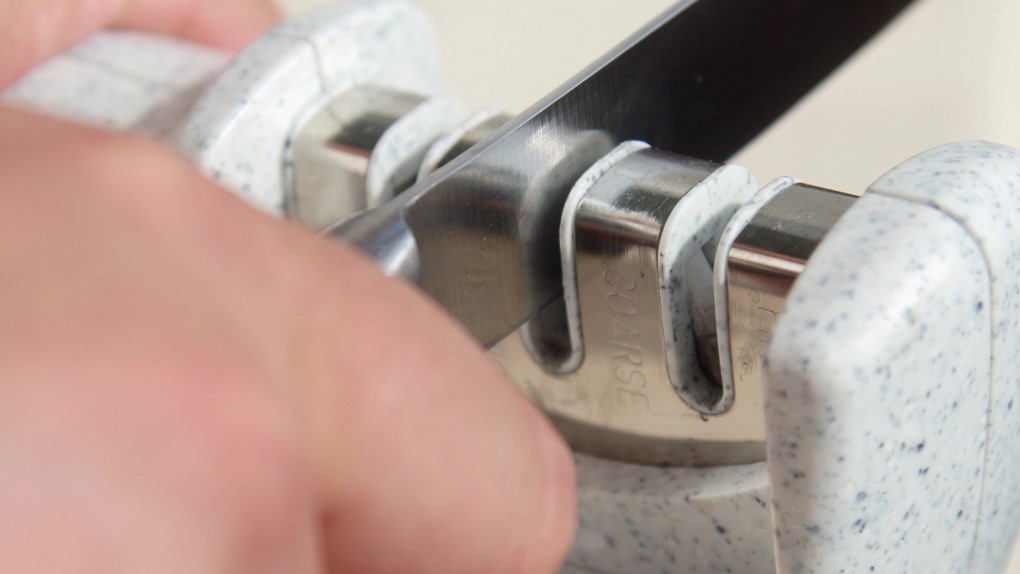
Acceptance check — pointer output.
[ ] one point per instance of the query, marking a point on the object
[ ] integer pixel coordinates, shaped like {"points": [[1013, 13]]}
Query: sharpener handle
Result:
{"points": [[236, 119], [121, 80]]}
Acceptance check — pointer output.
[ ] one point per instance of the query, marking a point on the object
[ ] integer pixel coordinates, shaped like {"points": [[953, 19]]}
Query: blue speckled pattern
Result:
{"points": [[892, 378], [977, 184], [445, 144], [698, 219], [242, 126], [568, 252], [646, 520], [720, 271], [237, 132], [236, 126], [880, 378], [404, 144]]}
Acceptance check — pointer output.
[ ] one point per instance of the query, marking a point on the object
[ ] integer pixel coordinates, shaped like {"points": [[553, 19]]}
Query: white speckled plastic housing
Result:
{"points": [[700, 217], [892, 375], [894, 445], [568, 251], [720, 269], [647, 520], [235, 120], [121, 80], [239, 130]]}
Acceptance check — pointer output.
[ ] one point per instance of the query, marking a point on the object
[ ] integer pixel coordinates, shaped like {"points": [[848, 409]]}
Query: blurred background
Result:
{"points": [[947, 70]]}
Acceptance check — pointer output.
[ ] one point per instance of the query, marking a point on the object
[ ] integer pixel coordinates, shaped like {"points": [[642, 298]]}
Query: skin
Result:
{"points": [[188, 385]]}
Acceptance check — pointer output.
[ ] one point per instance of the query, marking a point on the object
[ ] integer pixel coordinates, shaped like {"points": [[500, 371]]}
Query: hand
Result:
{"points": [[187, 385]]}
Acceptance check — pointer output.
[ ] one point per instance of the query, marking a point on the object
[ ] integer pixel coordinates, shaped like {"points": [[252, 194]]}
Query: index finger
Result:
{"points": [[33, 30]]}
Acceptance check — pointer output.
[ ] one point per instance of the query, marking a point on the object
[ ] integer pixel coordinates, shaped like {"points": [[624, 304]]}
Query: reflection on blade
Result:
{"points": [[702, 80]]}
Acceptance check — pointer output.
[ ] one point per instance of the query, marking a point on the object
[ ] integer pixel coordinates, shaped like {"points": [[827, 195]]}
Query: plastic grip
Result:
{"points": [[235, 118], [121, 80], [892, 377]]}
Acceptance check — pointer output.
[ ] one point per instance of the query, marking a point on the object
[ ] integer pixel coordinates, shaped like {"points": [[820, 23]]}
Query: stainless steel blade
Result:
{"points": [[703, 79]]}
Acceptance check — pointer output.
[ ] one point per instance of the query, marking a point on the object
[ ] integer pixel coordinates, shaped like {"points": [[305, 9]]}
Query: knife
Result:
{"points": [[703, 80]]}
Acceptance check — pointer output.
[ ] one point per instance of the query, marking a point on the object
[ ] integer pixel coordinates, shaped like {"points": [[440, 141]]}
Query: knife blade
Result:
{"points": [[703, 79]]}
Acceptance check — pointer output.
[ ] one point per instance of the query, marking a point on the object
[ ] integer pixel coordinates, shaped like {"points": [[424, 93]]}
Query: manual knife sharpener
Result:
{"points": [[863, 347]]}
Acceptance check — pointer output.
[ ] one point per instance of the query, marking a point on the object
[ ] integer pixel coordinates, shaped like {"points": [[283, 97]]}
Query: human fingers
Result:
{"points": [[422, 457], [144, 426], [33, 30], [431, 461]]}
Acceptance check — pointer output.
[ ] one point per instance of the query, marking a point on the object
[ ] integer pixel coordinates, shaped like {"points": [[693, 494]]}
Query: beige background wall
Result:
{"points": [[948, 70]]}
